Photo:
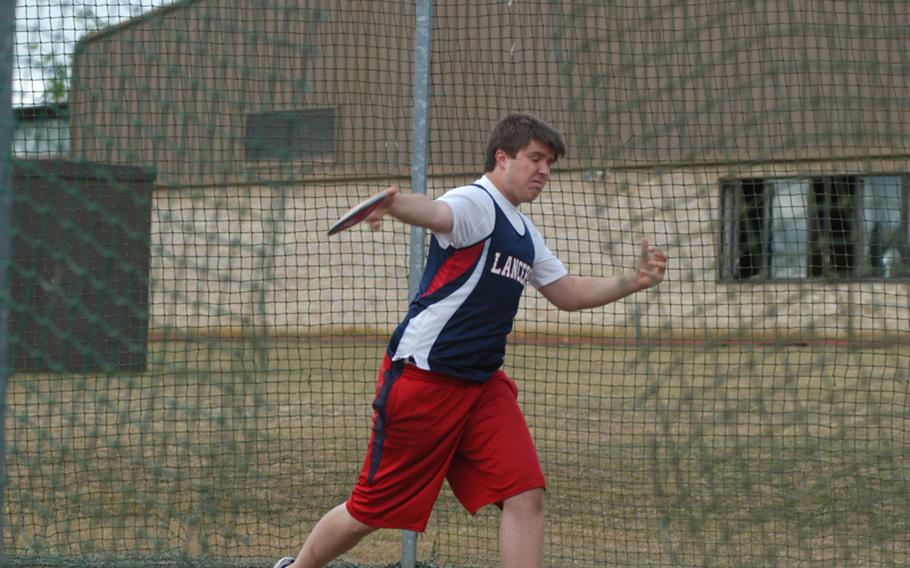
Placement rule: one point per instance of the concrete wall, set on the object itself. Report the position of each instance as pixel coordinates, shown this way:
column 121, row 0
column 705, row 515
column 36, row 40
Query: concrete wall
column 253, row 259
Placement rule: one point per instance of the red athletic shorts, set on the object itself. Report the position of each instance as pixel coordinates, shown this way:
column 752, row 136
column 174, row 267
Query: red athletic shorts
column 428, row 427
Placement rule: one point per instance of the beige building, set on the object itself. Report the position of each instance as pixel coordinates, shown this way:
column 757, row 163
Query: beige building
column 765, row 148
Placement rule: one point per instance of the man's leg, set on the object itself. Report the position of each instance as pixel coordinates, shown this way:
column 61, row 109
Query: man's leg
column 521, row 530
column 334, row 534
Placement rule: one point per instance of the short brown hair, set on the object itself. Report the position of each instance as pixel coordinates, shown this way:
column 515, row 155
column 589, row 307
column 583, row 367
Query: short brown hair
column 516, row 131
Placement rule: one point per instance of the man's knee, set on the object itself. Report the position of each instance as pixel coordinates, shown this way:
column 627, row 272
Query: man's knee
column 528, row 503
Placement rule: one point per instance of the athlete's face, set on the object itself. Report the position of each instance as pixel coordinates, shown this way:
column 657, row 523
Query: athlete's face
column 521, row 179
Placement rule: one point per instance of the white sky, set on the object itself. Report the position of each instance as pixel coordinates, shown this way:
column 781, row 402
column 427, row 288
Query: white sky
column 47, row 32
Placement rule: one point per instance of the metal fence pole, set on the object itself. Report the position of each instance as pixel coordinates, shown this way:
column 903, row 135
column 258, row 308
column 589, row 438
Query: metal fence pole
column 420, row 133
column 7, row 41
column 418, row 185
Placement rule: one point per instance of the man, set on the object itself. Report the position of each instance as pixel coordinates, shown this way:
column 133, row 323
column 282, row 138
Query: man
column 444, row 410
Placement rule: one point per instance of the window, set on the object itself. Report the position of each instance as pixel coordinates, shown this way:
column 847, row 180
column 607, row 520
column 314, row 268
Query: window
column 818, row 227
column 41, row 131
column 291, row 135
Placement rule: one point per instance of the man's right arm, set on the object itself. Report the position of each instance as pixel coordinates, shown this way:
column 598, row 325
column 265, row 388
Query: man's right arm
column 414, row 209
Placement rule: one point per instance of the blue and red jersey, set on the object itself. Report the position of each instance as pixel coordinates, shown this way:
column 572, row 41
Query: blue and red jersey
column 458, row 321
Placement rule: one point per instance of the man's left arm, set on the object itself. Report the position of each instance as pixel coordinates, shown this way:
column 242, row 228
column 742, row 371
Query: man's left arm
column 573, row 293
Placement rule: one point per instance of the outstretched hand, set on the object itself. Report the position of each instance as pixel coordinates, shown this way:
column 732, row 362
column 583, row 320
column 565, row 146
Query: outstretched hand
column 652, row 265
column 374, row 219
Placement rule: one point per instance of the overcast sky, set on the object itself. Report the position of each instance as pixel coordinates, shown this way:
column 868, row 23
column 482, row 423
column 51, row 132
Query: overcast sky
column 47, row 32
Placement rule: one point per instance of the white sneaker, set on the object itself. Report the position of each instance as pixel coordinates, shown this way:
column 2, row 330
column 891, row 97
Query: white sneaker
column 284, row 562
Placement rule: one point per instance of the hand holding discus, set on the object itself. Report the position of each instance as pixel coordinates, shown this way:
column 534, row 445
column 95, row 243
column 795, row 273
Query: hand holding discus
column 370, row 210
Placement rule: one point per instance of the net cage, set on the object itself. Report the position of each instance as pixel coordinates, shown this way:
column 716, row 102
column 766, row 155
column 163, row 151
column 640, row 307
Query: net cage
column 191, row 360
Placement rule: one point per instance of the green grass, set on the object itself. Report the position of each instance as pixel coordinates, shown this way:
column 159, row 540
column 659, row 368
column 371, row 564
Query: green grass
column 726, row 456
